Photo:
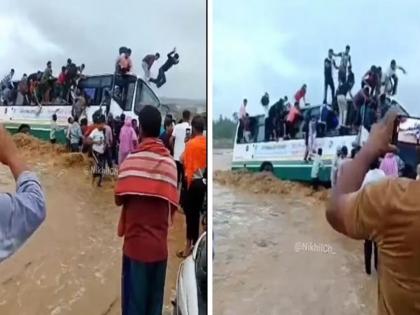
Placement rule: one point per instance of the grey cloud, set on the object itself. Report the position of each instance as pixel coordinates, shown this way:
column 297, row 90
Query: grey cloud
column 91, row 32
column 376, row 32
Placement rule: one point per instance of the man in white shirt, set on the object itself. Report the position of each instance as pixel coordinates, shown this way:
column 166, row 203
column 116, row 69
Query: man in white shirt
column 391, row 78
column 97, row 139
column 179, row 137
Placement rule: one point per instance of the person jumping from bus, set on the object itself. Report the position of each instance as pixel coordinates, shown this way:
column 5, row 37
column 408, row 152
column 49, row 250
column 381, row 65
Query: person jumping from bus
column 173, row 59
column 300, row 95
column 329, row 63
column 147, row 64
column 391, row 78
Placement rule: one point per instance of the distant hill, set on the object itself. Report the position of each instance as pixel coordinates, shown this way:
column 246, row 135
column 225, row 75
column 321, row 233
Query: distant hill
column 178, row 104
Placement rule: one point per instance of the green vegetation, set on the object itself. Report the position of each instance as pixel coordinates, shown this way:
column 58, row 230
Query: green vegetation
column 224, row 132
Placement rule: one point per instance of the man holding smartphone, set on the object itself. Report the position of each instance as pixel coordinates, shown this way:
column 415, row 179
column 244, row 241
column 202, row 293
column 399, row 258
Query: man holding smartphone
column 179, row 138
column 23, row 212
column 386, row 212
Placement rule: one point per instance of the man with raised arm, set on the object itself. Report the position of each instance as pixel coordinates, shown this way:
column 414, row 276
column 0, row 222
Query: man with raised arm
column 391, row 76
column 173, row 59
column 23, row 212
column 386, row 212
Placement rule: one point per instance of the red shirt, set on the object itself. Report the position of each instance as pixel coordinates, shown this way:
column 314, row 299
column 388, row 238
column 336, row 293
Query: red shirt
column 144, row 223
column 299, row 94
column 61, row 78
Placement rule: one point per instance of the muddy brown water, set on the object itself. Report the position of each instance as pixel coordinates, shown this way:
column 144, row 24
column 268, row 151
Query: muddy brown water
column 276, row 254
column 72, row 264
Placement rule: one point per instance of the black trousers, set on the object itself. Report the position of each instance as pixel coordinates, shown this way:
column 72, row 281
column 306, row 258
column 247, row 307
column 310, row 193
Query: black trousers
column 161, row 78
column 328, row 82
column 395, row 84
column 100, row 161
column 315, row 183
column 368, row 255
column 193, row 208
column 267, row 130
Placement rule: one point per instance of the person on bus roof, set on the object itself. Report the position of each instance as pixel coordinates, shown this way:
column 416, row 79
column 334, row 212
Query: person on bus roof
column 300, row 94
column 147, row 64
column 173, row 59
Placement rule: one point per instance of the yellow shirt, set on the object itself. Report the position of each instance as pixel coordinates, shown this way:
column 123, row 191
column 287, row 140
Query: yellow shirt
column 388, row 212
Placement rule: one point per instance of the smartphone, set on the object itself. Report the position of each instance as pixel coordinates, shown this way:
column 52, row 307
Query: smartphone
column 187, row 134
column 406, row 130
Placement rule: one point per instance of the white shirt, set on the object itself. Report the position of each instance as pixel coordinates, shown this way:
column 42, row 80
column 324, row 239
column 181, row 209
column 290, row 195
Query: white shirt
column 373, row 176
column 97, row 135
column 180, row 131
column 266, row 109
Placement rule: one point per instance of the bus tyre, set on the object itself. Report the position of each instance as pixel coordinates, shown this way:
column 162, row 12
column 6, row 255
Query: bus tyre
column 267, row 167
column 24, row 129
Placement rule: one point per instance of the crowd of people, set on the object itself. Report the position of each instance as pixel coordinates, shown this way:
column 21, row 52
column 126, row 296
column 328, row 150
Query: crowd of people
column 43, row 88
column 342, row 114
column 158, row 172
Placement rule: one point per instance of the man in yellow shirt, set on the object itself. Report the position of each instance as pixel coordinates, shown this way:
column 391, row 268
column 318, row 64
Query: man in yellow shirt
column 387, row 212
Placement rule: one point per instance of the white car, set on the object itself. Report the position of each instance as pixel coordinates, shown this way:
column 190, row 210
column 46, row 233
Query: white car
column 191, row 284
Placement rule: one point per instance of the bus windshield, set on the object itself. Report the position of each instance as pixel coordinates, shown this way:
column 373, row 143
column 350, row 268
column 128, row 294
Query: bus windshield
column 123, row 89
column 144, row 96
column 123, row 92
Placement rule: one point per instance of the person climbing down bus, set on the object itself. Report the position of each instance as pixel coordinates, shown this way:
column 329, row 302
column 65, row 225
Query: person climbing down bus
column 292, row 118
column 173, row 59
column 316, row 167
column 300, row 95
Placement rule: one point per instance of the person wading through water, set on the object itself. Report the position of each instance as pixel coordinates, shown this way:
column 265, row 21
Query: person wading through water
column 149, row 199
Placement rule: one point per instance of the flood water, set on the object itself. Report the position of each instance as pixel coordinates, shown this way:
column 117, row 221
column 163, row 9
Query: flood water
column 72, row 264
column 264, row 259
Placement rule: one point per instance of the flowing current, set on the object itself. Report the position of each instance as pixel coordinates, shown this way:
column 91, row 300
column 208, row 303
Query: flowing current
column 72, row 264
column 276, row 254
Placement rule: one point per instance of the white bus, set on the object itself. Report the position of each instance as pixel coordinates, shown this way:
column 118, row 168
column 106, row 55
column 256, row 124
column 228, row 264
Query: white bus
column 37, row 119
column 285, row 158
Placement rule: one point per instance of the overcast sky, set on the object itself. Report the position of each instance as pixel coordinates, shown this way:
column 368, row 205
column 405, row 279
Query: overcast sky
column 90, row 32
column 277, row 45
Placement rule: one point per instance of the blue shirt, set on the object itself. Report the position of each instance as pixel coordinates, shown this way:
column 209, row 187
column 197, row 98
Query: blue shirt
column 20, row 213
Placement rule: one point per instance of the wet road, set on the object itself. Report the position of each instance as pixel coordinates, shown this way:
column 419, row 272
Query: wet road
column 72, row 264
column 276, row 254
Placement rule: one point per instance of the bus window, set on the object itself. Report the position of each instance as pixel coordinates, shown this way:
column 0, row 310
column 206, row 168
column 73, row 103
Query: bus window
column 91, row 86
column 124, row 91
column 144, row 96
